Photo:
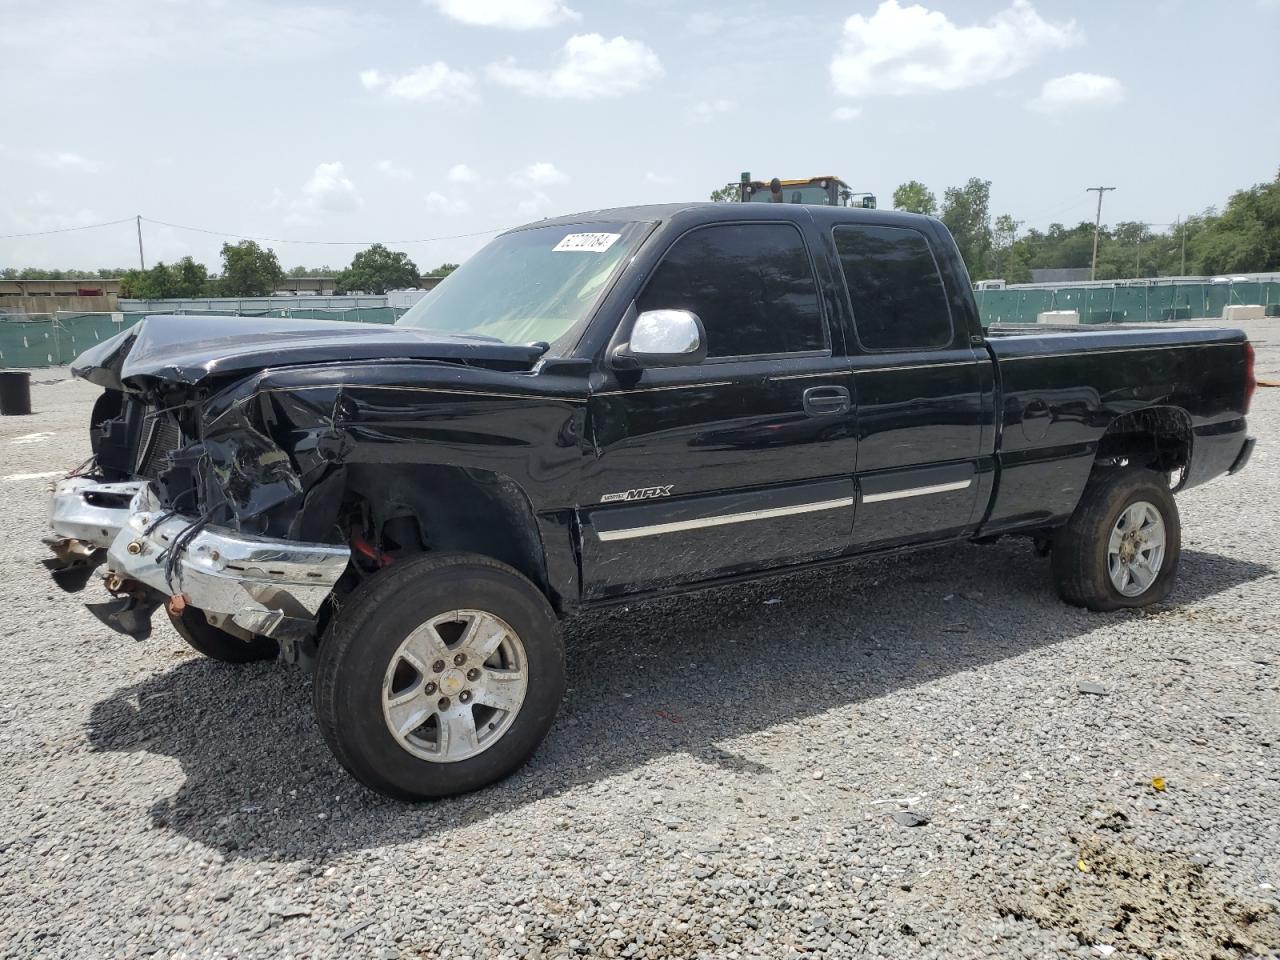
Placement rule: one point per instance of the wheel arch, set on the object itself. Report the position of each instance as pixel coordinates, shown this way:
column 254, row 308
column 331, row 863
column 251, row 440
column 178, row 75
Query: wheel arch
column 1157, row 437
column 408, row 509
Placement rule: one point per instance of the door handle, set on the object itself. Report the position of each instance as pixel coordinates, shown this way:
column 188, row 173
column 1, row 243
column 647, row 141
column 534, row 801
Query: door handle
column 826, row 401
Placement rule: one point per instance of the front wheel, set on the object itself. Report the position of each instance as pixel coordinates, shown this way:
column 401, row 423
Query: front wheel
column 204, row 637
column 440, row 675
column 1121, row 547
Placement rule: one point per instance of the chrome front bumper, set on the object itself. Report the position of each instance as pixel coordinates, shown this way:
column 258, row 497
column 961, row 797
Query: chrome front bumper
column 88, row 512
column 264, row 586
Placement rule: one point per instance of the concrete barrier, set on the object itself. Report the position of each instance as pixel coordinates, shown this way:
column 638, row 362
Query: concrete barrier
column 1058, row 316
column 1244, row 311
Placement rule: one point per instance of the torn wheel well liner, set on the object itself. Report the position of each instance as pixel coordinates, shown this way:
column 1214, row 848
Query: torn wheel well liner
column 1159, row 438
column 414, row 508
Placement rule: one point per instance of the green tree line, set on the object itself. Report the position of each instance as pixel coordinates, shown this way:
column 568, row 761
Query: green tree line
column 247, row 270
column 1243, row 238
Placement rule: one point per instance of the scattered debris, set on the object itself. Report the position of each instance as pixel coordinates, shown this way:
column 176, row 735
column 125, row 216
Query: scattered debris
column 1157, row 784
column 287, row 910
column 1093, row 689
column 909, row 818
column 350, row 932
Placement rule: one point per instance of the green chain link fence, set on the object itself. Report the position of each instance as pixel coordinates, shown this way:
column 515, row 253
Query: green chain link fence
column 53, row 340
column 1127, row 303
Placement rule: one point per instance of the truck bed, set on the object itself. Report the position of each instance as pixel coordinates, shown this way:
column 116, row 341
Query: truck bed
column 1059, row 390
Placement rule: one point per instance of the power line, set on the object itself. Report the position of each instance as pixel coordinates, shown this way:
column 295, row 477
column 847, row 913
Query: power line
column 1057, row 210
column 137, row 220
column 323, row 243
column 45, row 233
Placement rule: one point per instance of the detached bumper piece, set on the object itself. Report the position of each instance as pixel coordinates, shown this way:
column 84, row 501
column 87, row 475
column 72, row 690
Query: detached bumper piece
column 85, row 515
column 262, row 586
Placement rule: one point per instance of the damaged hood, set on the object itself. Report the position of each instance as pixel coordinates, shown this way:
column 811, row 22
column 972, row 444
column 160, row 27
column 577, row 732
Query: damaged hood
column 190, row 349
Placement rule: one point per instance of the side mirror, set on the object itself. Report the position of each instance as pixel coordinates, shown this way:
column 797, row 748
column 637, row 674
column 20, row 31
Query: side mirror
column 662, row 338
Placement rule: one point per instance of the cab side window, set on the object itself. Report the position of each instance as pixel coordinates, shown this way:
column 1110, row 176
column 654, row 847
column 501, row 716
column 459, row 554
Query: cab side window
column 751, row 284
column 895, row 290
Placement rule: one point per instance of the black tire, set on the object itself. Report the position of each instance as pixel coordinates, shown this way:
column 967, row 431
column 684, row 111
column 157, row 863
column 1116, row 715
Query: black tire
column 217, row 644
column 1080, row 548
column 366, row 634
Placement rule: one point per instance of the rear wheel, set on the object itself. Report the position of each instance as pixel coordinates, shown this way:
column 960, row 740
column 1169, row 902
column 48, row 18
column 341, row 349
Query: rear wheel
column 1121, row 547
column 440, row 675
column 204, row 637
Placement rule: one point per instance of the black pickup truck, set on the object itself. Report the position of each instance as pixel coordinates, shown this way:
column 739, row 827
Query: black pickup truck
column 604, row 406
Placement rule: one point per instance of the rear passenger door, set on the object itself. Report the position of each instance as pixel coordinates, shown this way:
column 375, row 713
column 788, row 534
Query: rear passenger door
column 744, row 460
column 924, row 391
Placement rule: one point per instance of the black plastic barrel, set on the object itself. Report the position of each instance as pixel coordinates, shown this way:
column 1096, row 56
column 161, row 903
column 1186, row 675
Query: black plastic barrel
column 15, row 393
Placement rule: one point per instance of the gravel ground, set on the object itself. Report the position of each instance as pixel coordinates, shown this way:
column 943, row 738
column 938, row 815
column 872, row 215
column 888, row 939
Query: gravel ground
column 892, row 759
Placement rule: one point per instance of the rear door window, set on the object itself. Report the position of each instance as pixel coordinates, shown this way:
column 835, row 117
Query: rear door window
column 751, row 284
column 895, row 289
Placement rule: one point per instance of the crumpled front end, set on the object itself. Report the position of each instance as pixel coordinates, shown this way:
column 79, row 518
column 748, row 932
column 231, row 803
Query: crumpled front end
column 264, row 586
column 262, row 497
column 208, row 517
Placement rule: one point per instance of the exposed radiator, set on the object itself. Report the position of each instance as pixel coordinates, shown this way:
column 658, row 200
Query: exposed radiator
column 161, row 437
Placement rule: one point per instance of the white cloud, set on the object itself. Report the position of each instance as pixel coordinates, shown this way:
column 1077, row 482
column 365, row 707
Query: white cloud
column 537, row 203
column 512, row 14
column 659, row 179
column 393, row 171
column 330, row 187
column 328, row 190
column 66, row 160
column 1078, row 90
column 588, row 67
column 539, row 175
column 438, row 203
column 461, row 173
column 431, row 81
column 704, row 111
column 844, row 114
column 912, row 50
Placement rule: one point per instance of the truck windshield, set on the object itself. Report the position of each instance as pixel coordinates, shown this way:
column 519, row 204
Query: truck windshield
column 528, row 285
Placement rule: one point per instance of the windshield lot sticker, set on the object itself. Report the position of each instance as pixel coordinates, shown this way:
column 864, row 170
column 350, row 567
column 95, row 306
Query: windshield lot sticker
column 587, row 242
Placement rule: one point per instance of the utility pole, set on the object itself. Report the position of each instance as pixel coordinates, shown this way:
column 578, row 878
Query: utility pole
column 142, row 263
column 1182, row 229
column 1097, row 225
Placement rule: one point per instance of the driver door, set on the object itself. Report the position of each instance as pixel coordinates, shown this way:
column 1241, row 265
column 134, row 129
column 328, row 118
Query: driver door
column 739, row 462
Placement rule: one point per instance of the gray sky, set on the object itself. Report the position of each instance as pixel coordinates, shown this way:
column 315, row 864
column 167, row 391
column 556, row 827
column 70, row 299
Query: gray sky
column 432, row 118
